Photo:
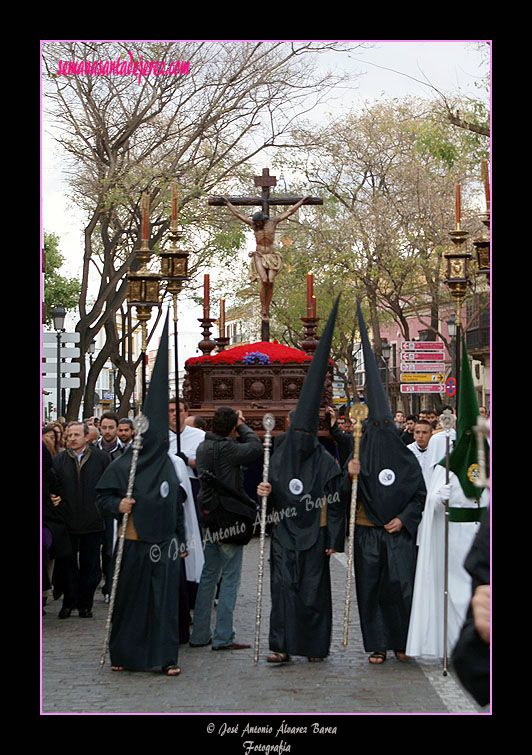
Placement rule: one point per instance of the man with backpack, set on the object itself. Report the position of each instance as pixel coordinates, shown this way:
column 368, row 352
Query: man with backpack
column 226, row 512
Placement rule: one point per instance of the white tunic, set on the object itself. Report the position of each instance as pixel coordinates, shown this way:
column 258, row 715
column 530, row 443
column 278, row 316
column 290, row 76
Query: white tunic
column 190, row 438
column 426, row 629
column 194, row 546
column 422, row 457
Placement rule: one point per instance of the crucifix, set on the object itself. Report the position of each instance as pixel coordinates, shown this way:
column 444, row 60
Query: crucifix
column 265, row 262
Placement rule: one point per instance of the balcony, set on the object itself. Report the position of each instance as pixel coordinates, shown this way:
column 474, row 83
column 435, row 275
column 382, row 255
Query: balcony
column 478, row 339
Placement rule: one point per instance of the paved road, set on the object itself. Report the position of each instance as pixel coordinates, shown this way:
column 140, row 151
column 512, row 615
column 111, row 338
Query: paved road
column 229, row 682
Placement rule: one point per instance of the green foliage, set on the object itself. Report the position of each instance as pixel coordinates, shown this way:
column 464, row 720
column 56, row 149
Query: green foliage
column 58, row 289
column 431, row 140
column 451, row 145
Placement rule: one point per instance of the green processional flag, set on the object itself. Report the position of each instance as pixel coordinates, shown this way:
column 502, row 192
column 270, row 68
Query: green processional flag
column 463, row 460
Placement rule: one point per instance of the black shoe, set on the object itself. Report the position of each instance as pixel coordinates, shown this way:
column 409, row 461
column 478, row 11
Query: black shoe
column 64, row 613
column 201, row 645
column 85, row 613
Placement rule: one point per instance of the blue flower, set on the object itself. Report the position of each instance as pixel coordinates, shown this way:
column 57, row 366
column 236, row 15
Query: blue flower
column 256, row 357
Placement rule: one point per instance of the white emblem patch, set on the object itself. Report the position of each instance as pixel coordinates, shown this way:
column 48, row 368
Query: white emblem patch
column 295, row 486
column 386, row 477
column 164, row 489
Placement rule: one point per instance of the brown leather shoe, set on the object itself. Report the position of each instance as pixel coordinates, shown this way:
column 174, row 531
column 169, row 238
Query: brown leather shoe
column 233, row 646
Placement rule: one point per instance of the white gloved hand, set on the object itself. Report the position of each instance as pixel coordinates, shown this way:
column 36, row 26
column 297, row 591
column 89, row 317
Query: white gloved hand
column 444, row 493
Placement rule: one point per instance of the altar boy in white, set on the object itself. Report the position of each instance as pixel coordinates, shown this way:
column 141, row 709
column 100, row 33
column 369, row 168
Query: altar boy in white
column 467, row 506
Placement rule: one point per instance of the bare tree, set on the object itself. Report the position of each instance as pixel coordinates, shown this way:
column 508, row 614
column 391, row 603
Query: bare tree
column 123, row 134
column 388, row 208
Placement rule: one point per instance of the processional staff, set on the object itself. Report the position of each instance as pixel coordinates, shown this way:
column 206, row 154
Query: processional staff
column 447, row 421
column 358, row 414
column 268, row 422
column 140, row 424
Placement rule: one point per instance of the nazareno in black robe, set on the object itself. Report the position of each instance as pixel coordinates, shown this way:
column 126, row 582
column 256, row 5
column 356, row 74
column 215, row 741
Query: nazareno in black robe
column 301, row 612
column 390, row 485
column 145, row 620
column 305, row 478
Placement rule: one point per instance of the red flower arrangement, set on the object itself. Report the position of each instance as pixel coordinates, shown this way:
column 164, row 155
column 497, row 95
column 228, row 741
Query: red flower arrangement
column 275, row 351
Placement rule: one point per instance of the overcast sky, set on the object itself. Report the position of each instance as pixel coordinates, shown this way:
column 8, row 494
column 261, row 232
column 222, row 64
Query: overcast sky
column 389, row 68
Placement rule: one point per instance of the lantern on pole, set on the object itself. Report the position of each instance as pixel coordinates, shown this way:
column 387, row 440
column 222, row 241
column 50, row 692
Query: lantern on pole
column 458, row 279
column 143, row 287
column 174, row 271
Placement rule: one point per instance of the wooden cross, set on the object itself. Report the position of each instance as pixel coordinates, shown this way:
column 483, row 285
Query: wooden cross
column 264, row 234
column 265, row 181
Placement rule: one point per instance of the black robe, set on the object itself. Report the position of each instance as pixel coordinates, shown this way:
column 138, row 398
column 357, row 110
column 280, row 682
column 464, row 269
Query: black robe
column 471, row 655
column 385, row 567
column 390, row 485
column 301, row 613
column 145, row 621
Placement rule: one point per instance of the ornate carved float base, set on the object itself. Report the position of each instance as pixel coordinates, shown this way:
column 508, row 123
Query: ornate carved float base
column 256, row 378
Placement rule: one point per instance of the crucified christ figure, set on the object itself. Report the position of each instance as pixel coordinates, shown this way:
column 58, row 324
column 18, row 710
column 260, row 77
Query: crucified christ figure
column 265, row 262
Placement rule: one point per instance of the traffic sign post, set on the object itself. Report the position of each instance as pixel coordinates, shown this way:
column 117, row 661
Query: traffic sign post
column 422, row 388
column 419, row 356
column 422, row 366
column 450, row 386
column 422, row 377
column 51, row 338
column 65, row 368
column 422, row 346
column 66, row 382
column 54, row 349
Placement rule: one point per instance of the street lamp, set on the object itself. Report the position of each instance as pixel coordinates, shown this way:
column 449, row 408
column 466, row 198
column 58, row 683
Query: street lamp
column 91, row 348
column 58, row 317
column 143, row 287
column 458, row 280
column 90, row 351
column 451, row 329
column 115, row 372
column 174, row 270
column 386, row 353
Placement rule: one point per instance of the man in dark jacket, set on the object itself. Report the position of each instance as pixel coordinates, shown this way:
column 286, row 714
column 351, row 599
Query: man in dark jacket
column 222, row 455
column 113, row 446
column 79, row 468
column 55, row 538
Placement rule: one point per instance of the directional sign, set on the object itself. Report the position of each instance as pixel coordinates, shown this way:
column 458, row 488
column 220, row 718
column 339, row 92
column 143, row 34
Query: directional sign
column 422, row 345
column 422, row 377
column 66, row 368
column 423, row 388
column 65, row 382
column 418, row 356
column 65, row 337
column 67, row 352
column 422, row 366
column 450, row 386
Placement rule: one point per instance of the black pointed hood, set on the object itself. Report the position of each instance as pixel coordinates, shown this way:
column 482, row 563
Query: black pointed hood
column 155, row 406
column 390, row 475
column 375, row 396
column 307, row 411
column 301, row 467
column 156, row 488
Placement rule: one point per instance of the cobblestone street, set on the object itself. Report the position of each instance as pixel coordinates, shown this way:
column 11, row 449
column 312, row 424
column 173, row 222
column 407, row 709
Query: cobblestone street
column 229, row 682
